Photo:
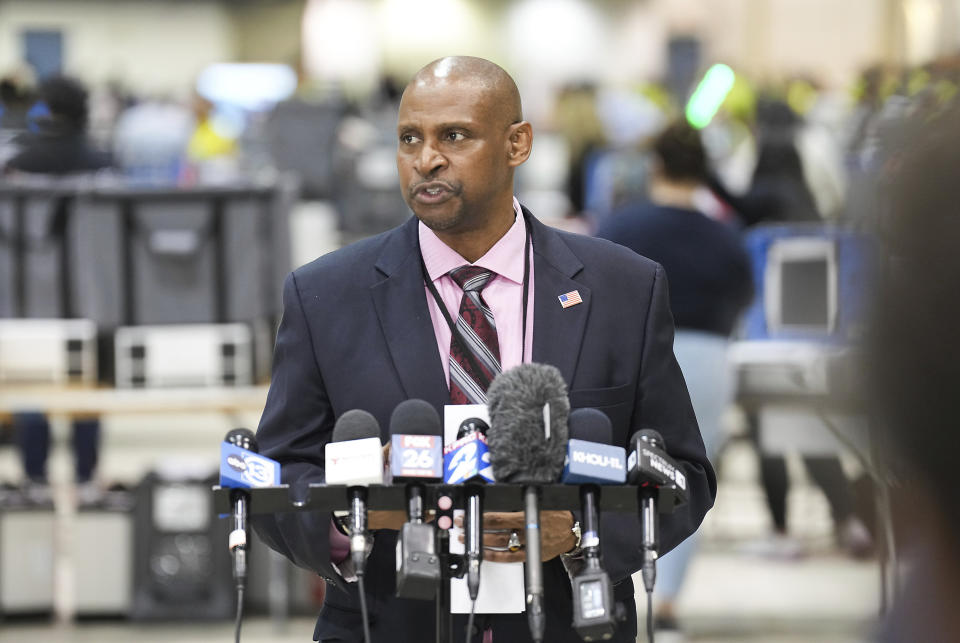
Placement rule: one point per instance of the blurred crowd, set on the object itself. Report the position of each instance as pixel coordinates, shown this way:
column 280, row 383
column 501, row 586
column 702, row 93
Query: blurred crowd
column 819, row 147
column 627, row 164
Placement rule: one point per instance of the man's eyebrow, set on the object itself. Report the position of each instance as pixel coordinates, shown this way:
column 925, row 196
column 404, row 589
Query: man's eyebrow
column 439, row 127
column 455, row 125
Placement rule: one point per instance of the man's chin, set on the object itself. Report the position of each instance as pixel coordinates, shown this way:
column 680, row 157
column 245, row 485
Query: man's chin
column 437, row 221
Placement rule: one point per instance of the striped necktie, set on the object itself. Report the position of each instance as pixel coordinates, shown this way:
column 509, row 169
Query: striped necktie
column 475, row 361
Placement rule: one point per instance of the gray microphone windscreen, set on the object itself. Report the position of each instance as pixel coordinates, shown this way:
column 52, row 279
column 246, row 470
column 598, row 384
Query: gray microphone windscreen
column 415, row 417
column 243, row 438
column 355, row 425
column 590, row 425
column 520, row 449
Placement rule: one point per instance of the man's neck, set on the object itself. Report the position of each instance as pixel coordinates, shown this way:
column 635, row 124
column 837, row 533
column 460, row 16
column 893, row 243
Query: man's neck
column 473, row 244
column 674, row 194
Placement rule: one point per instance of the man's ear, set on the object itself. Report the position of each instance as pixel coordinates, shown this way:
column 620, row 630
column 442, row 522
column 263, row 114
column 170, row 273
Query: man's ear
column 519, row 143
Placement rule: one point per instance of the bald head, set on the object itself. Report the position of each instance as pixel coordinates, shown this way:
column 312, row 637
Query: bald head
column 495, row 86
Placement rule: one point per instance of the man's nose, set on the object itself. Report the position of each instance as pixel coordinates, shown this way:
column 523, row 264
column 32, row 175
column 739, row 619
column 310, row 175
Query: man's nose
column 430, row 160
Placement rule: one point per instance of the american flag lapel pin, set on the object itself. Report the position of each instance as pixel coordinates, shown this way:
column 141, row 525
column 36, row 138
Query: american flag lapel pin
column 571, row 298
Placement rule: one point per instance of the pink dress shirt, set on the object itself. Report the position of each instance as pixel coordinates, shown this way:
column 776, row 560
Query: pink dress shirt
column 504, row 293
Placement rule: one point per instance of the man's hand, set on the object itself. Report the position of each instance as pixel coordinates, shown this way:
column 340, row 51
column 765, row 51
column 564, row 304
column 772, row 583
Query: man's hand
column 386, row 519
column 556, row 535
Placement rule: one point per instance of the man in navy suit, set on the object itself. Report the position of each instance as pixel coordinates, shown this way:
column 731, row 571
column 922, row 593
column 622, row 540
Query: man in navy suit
column 362, row 329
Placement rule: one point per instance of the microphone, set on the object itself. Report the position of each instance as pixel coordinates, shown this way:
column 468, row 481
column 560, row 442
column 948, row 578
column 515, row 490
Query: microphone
column 467, row 462
column 660, row 481
column 241, row 467
column 355, row 458
column 416, row 457
column 592, row 461
column 528, row 431
column 468, row 456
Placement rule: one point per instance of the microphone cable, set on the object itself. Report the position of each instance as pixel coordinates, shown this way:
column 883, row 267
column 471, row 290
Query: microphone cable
column 473, row 608
column 236, row 636
column 650, row 615
column 363, row 609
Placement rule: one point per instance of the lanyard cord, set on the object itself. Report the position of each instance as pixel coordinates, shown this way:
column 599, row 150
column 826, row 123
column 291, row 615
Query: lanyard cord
column 455, row 333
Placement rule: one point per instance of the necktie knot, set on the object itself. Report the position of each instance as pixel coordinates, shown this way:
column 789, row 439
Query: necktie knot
column 471, row 278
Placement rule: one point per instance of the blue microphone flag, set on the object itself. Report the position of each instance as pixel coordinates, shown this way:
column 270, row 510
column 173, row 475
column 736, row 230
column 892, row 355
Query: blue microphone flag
column 416, row 456
column 245, row 469
column 467, row 458
column 594, row 463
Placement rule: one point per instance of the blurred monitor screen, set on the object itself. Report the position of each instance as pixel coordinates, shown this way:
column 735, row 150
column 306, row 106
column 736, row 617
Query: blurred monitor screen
column 800, row 285
column 806, row 283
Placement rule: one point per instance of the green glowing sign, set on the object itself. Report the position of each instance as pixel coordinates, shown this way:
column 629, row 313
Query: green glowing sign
column 709, row 95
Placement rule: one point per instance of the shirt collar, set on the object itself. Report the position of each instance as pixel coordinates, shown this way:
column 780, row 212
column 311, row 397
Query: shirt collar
column 505, row 257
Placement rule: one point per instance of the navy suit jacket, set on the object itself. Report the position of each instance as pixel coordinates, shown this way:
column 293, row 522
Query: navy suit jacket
column 356, row 334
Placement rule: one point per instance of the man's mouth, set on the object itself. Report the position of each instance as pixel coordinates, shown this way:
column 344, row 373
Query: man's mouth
column 433, row 192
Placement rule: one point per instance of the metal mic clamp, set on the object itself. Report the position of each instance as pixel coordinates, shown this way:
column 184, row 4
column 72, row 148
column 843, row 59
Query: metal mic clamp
column 418, row 571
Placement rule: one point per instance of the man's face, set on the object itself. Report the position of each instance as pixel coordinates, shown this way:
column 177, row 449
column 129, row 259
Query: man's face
column 452, row 155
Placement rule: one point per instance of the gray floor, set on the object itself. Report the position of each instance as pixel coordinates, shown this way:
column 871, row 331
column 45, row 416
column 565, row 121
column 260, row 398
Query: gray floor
column 732, row 592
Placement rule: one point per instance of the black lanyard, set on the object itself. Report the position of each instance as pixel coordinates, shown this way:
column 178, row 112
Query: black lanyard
column 455, row 333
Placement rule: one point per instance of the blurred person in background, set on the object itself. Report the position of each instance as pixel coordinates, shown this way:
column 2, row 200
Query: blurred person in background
column 779, row 194
column 914, row 371
column 301, row 135
column 616, row 172
column 107, row 102
column 150, row 140
column 823, row 115
column 60, row 144
column 364, row 165
column 59, row 147
column 710, row 286
column 577, row 119
column 210, row 140
column 15, row 101
column 213, row 152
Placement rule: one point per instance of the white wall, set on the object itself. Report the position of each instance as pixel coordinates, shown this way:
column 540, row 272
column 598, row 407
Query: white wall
column 152, row 46
column 769, row 39
column 269, row 33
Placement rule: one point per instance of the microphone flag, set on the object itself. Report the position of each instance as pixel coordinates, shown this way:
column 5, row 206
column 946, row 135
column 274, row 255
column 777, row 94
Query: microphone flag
column 246, row 469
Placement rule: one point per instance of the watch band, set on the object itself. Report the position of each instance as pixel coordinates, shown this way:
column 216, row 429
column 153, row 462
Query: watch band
column 578, row 534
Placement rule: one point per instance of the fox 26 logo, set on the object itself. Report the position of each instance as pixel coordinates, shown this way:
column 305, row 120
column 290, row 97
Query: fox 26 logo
column 414, row 458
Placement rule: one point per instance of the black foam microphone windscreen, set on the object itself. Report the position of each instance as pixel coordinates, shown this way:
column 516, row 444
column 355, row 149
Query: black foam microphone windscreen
column 527, row 444
column 355, row 424
column 590, row 425
column 650, row 436
column 243, row 438
column 415, row 417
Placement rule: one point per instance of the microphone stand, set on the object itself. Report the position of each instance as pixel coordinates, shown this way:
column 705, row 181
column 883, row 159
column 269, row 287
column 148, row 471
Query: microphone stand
column 534, row 578
column 444, row 620
column 451, row 566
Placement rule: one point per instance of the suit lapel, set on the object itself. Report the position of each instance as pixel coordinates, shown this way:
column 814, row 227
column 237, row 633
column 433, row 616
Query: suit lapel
column 557, row 331
column 401, row 306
